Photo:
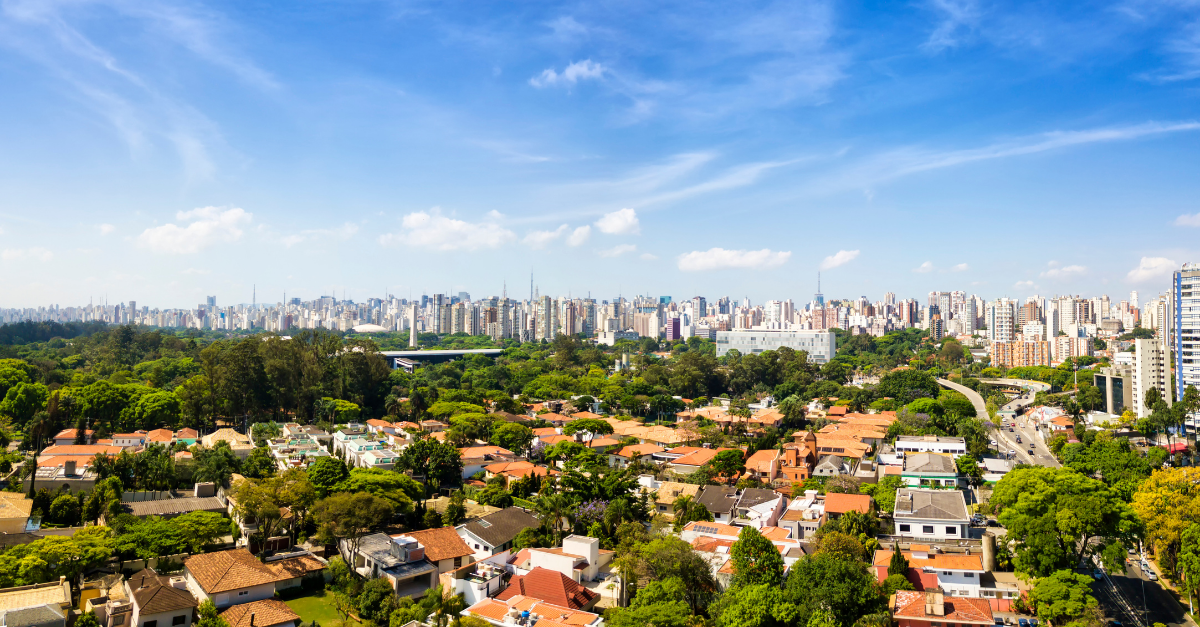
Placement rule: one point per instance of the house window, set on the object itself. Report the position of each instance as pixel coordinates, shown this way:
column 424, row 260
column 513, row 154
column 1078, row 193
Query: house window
column 927, row 529
column 179, row 620
column 969, row 575
column 458, row 561
column 905, row 527
column 952, row 530
column 150, row 623
column 243, row 593
column 945, row 572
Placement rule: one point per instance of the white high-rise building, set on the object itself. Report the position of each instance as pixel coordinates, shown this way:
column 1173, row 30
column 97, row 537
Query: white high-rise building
column 1185, row 324
column 1149, row 371
column 1001, row 316
column 967, row 320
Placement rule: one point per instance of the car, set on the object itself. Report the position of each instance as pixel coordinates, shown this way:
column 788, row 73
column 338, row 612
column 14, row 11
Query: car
column 1011, row 430
column 1151, row 575
column 1023, row 622
column 1133, row 551
column 993, row 523
column 1098, row 574
column 1145, row 565
column 1011, row 452
column 992, row 443
column 1033, row 622
column 1018, row 439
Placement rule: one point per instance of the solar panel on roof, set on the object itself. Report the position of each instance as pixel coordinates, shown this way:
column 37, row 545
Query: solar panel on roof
column 707, row 529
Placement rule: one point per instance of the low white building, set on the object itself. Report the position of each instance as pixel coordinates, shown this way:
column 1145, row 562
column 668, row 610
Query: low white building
column 931, row 515
column 931, row 444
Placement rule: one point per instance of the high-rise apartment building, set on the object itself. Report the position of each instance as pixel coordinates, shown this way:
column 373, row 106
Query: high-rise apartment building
column 1149, row 371
column 1001, row 320
column 1185, row 312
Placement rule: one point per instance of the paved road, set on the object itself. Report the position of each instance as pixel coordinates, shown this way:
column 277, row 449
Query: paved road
column 1132, row 595
column 975, row 398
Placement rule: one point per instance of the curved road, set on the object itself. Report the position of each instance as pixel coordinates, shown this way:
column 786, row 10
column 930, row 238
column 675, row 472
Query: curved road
column 1042, row 454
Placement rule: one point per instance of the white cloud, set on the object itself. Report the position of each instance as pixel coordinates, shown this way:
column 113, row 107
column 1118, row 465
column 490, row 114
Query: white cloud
column 620, row 222
column 208, row 226
column 618, row 250
column 925, row 267
column 1064, row 272
column 842, row 258
column 35, row 253
column 1188, row 220
column 1023, row 284
column 431, row 229
column 577, row 71
column 649, row 256
column 719, row 259
column 1152, row 268
column 197, row 271
column 542, row 239
column 105, row 229
column 579, row 236
column 342, row 233
column 962, row 267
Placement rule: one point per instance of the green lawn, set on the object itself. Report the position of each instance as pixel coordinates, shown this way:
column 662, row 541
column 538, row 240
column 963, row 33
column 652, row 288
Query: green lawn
column 318, row 607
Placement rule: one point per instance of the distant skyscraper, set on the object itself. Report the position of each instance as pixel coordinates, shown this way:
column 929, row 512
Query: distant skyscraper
column 212, row 303
column 1185, row 299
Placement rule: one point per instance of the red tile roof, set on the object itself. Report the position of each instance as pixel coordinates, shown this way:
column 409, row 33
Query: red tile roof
column 837, row 503
column 911, row 604
column 549, row 586
column 442, row 543
column 229, row 570
column 264, row 613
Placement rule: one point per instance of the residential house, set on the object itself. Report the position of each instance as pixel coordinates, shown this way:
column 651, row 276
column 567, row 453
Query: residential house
column 229, row 577
column 805, row 515
column 929, row 469
column 636, row 452
column 163, row 437
column 69, row 466
column 264, row 613
column 37, row 605
column 444, row 548
column 323, row 437
column 764, row 465
column 759, row 508
column 931, row 608
column 720, row 501
column 170, row 508
column 297, row 450
column 955, row 574
column 478, row 580
column 495, row 532
column 401, row 560
column 238, row 443
column 551, row 587
column 831, row 466
column 377, row 426
column 512, row 471
column 931, row 444
column 513, row 610
column 931, row 514
column 39, row 616
column 15, row 508
column 994, row 469
column 476, row 458
column 159, row 601
column 580, row 558
column 135, row 440
column 666, row 492
column 187, row 435
column 693, row 459
column 67, row 436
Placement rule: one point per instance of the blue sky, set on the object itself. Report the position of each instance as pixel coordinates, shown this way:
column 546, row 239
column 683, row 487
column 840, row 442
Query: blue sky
column 162, row 151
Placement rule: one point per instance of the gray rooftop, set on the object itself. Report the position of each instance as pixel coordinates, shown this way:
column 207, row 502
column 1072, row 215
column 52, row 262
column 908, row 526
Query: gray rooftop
column 947, row 505
column 756, row 496
column 503, row 526
column 931, row 463
column 718, row 499
column 39, row 616
column 171, row 507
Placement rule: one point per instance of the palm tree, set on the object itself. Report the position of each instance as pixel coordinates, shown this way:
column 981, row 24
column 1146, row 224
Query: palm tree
column 552, row 508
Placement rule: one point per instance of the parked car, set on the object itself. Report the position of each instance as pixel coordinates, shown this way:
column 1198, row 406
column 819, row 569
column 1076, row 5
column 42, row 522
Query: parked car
column 1098, row 574
column 1151, row 575
column 1022, row 622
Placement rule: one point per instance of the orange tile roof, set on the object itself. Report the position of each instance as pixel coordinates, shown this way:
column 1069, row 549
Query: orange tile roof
column 470, row 452
column 223, row 571
column 442, row 543
column 943, row 561
column 70, row 433
column 550, row 586
column 81, row 449
column 586, row 414
column 545, row 431
column 638, row 450
column 294, row 567
column 763, row 461
column 599, row 442
column 911, row 604
column 160, row 435
column 837, row 503
column 264, row 613
column 553, row 417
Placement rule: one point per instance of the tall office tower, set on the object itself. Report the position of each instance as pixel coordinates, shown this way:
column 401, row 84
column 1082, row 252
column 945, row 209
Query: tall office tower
column 818, row 298
column 1185, row 302
column 445, row 317
column 789, row 311
column 1133, row 299
column 570, row 321
column 724, row 308
column 889, row 298
column 1001, row 319
column 437, row 302
column 212, row 303
column 412, row 325
column 969, row 317
column 545, row 319
column 589, row 317
column 1149, row 371
column 458, row 317
column 909, row 313
column 698, row 307
column 503, row 318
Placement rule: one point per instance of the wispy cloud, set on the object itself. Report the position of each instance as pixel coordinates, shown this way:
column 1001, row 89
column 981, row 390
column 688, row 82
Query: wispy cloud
column 1056, row 270
column 206, row 227
column 956, row 18
column 1188, row 219
column 1152, row 269
column 35, row 253
column 722, row 259
column 104, row 229
column 618, row 250
column 311, row 236
column 542, row 239
column 924, row 268
column 841, row 258
column 962, row 267
column 573, row 73
column 434, row 231
column 619, row 222
column 579, row 236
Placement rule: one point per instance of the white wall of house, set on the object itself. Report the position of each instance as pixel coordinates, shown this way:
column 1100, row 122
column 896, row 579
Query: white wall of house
column 917, row 528
column 232, row 597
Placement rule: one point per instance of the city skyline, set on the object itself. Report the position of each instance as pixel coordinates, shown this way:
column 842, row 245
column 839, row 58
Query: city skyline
column 168, row 151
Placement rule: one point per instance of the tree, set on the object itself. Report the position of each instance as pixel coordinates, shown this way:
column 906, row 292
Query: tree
column 346, row 516
column 208, row 615
column 434, row 462
column 87, row 619
column 272, row 502
column 1062, row 597
column 1168, row 502
column 398, row 488
column 844, row 587
column 727, row 464
column 325, row 473
column 513, row 437
column 259, row 463
column 755, row 560
column 898, row 564
column 759, row 605
column 1189, row 560
column 908, row 385
column 1060, row 517
column 589, row 425
column 65, row 511
column 969, row 468
column 216, row 464
column 200, row 529
column 687, row 509
column 23, row 400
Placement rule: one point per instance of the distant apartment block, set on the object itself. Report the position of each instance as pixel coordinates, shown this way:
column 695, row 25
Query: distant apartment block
column 820, row 345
